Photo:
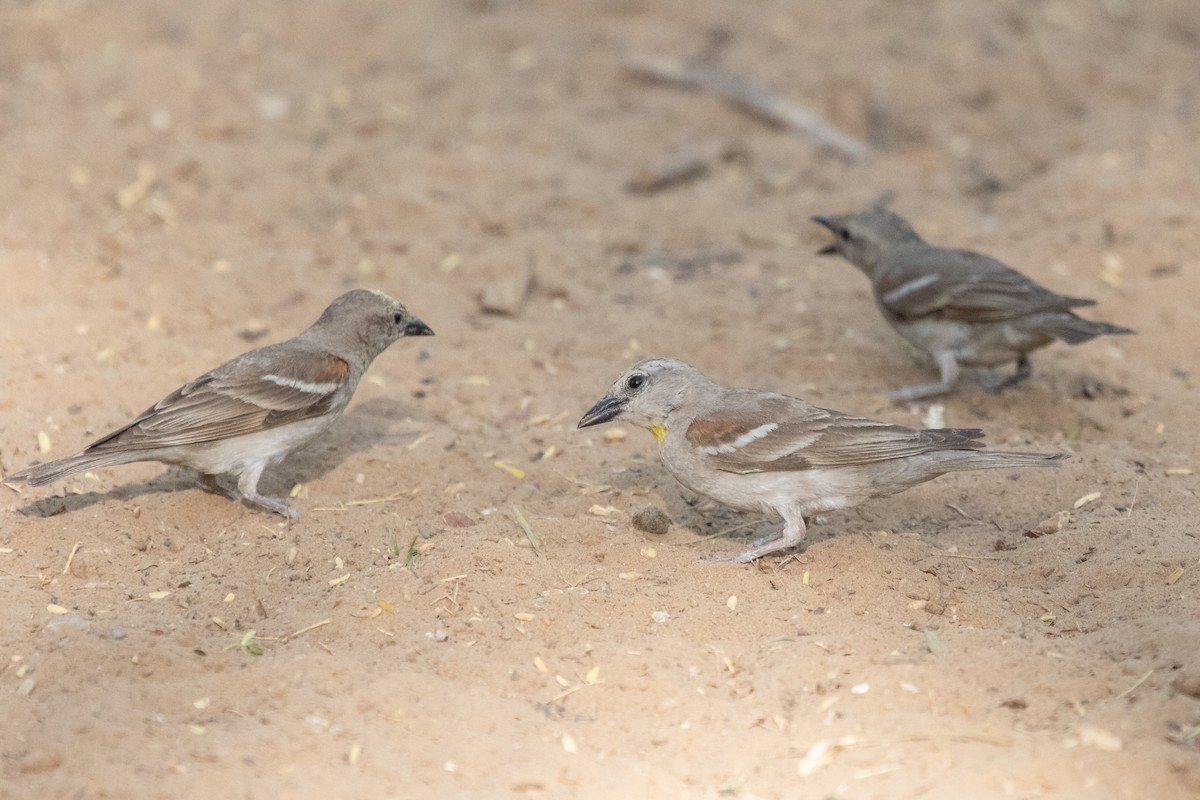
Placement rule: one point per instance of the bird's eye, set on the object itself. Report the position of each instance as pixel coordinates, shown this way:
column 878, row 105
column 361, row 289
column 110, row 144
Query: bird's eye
column 398, row 318
column 844, row 234
column 636, row 382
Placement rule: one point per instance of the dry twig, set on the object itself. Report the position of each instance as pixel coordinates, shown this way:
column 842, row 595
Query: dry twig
column 1136, row 684
column 533, row 541
column 306, row 629
column 743, row 92
column 70, row 558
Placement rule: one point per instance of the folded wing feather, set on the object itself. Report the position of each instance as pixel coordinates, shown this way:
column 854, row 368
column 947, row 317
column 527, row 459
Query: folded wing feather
column 963, row 285
column 777, row 433
column 238, row 398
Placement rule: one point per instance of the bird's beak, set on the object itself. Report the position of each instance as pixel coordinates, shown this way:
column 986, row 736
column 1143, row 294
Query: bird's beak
column 417, row 328
column 829, row 249
column 606, row 408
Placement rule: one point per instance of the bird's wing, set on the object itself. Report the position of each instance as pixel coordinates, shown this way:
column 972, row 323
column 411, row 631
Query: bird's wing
column 962, row 285
column 252, row 393
column 782, row 434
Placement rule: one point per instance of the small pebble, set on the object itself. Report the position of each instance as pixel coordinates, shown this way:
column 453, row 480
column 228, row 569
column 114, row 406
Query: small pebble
column 1188, row 682
column 652, row 519
column 505, row 297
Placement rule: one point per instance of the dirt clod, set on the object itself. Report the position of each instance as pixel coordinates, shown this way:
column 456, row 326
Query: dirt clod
column 652, row 519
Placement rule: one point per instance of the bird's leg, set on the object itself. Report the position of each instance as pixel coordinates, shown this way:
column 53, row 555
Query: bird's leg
column 791, row 535
column 209, row 483
column 947, row 365
column 248, row 486
column 1024, row 370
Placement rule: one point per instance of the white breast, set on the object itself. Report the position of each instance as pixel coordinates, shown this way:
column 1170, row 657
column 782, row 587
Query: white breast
column 265, row 447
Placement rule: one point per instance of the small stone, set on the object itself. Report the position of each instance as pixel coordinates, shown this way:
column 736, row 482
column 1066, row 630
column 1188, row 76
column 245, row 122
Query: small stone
column 652, row 519
column 1049, row 526
column 457, row 519
column 1100, row 739
column 935, row 416
column 274, row 106
column 1187, row 682
column 254, row 330
column 505, row 297
column 114, row 632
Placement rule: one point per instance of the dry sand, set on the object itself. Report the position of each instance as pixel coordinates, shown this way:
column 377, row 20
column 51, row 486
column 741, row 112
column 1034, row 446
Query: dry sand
column 180, row 178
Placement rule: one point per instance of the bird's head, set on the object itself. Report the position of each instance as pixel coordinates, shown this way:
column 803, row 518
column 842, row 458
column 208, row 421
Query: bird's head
column 371, row 318
column 647, row 394
column 866, row 237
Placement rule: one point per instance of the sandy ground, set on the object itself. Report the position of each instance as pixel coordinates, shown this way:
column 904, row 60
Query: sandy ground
column 181, row 179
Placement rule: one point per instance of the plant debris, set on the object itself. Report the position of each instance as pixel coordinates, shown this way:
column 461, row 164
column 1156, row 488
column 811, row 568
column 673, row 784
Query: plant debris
column 516, row 472
column 675, row 172
column 533, row 541
column 306, row 629
column 748, row 95
column 249, row 646
column 682, row 266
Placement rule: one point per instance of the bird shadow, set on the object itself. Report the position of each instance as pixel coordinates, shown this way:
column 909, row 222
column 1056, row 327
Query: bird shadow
column 683, row 507
column 366, row 426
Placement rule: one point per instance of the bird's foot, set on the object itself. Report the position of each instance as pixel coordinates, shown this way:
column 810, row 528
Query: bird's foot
column 911, row 394
column 948, row 369
column 758, row 548
column 272, row 504
column 1024, row 370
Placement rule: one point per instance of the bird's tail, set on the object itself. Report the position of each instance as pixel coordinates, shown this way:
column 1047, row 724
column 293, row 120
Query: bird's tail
column 52, row 471
column 1076, row 330
column 992, row 459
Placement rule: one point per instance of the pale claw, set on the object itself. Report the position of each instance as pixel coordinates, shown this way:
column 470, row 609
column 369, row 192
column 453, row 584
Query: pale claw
column 271, row 504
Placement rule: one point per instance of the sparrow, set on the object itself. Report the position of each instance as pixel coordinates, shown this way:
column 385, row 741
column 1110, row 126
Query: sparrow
column 964, row 309
column 253, row 410
column 760, row 451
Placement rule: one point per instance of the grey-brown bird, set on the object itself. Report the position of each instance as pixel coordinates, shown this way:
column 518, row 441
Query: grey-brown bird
column 761, row 451
column 964, row 309
column 253, row 410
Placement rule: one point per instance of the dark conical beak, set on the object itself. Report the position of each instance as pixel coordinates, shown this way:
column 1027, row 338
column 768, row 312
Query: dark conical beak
column 828, row 222
column 606, row 408
column 417, row 328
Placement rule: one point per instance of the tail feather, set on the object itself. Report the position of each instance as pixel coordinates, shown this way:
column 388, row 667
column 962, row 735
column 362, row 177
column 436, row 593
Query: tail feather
column 52, row 471
column 1077, row 302
column 996, row 459
column 1076, row 330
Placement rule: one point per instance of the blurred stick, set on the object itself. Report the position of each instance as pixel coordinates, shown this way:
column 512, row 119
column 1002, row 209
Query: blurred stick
column 749, row 96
